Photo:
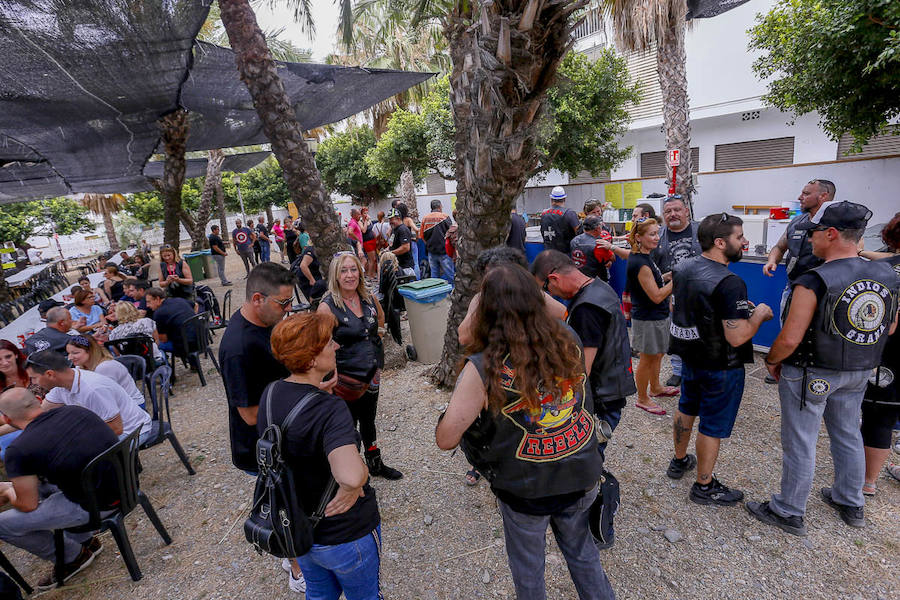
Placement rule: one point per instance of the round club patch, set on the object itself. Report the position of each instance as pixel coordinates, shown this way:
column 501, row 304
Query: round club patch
column 859, row 315
column 882, row 377
column 819, row 387
column 241, row 237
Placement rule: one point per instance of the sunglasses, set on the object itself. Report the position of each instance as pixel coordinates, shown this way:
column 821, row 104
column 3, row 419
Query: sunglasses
column 282, row 303
column 546, row 286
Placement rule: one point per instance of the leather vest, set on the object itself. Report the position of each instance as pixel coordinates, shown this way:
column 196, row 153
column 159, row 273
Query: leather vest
column 556, row 232
column 883, row 387
column 697, row 335
column 361, row 352
column 661, row 254
column 582, row 251
column 848, row 331
column 800, row 257
column 612, row 377
column 548, row 453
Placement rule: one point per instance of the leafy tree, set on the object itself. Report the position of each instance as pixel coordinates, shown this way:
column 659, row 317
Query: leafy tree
column 342, row 161
column 838, row 57
column 437, row 117
column 261, row 187
column 21, row 220
column 403, row 145
column 145, row 207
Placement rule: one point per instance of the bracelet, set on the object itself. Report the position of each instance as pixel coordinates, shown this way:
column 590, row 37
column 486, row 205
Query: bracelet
column 771, row 364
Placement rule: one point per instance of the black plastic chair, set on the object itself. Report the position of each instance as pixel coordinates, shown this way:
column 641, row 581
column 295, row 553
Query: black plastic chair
column 195, row 338
column 136, row 345
column 121, row 462
column 224, row 312
column 161, row 425
column 137, row 368
column 10, row 570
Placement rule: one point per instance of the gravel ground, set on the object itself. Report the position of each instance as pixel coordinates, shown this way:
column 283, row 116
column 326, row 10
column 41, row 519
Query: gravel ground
column 445, row 540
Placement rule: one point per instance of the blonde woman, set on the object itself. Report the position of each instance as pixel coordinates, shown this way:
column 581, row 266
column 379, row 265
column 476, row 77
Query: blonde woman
column 175, row 274
column 649, row 314
column 131, row 323
column 360, row 356
column 85, row 353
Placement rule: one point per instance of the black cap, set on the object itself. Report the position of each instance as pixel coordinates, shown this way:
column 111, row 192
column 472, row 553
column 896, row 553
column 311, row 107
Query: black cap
column 840, row 215
column 47, row 304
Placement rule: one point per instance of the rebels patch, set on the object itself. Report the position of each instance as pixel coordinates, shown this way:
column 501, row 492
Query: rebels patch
column 819, row 387
column 859, row 315
column 561, row 427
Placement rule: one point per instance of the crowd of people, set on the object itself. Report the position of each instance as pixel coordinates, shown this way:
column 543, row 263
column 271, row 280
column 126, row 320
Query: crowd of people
column 547, row 369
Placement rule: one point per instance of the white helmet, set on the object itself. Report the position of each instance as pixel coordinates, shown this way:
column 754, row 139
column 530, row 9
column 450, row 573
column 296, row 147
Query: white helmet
column 557, row 194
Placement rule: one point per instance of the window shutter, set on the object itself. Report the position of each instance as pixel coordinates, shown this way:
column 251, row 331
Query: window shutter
column 880, row 145
column 585, row 177
column 757, row 153
column 653, row 164
column 642, row 68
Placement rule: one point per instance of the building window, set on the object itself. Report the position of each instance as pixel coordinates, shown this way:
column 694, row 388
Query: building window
column 880, row 145
column 757, row 153
column 653, row 164
column 586, row 177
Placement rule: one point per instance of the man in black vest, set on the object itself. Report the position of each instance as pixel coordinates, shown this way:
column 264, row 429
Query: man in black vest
column 590, row 258
column 839, row 317
column 712, row 327
column 595, row 315
column 558, row 223
column 677, row 242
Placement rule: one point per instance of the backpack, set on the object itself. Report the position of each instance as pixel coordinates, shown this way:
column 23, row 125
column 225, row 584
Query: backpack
column 208, row 302
column 277, row 523
column 603, row 511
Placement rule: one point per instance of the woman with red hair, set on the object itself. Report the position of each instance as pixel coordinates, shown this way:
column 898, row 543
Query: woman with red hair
column 12, row 374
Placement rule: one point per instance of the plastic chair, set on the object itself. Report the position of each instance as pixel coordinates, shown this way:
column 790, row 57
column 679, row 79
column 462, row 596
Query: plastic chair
column 137, row 368
column 10, row 570
column 161, row 425
column 195, row 338
column 225, row 312
column 120, row 461
column 136, row 345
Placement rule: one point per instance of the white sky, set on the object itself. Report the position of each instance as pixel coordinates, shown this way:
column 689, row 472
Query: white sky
column 325, row 16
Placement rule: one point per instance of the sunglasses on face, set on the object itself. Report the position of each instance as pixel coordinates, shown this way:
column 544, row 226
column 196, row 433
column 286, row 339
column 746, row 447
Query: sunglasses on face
column 546, row 286
column 282, row 303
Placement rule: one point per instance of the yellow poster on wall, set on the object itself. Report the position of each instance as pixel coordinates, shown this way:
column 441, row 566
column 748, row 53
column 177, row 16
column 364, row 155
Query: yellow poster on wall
column 633, row 191
column 292, row 210
column 613, row 194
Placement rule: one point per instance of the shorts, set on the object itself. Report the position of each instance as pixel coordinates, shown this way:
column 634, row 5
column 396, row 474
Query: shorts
column 650, row 337
column 877, row 423
column 369, row 245
column 714, row 396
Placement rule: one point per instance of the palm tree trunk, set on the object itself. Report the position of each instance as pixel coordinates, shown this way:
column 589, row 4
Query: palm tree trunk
column 672, row 70
column 174, row 135
column 258, row 72
column 269, row 214
column 110, row 231
column 408, row 191
column 197, row 228
column 501, row 73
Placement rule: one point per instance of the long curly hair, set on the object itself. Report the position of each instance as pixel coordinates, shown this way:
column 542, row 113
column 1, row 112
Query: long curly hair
column 639, row 229
column 512, row 322
column 20, row 364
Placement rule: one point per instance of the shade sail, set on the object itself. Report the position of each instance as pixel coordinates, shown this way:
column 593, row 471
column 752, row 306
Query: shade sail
column 196, row 167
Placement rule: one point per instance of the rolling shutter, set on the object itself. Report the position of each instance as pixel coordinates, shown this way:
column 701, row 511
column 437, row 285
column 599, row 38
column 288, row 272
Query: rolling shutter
column 653, row 164
column 880, row 145
column 642, row 68
column 757, row 153
column 585, row 177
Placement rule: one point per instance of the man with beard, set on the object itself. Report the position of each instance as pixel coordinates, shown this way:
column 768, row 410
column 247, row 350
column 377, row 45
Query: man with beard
column 712, row 327
column 677, row 242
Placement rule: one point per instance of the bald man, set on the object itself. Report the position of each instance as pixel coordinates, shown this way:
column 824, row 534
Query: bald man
column 55, row 445
column 55, row 335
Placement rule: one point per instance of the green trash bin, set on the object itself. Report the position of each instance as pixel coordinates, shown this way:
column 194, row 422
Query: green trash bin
column 196, row 263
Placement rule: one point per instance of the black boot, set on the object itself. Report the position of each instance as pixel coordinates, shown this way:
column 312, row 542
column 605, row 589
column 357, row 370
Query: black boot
column 378, row 468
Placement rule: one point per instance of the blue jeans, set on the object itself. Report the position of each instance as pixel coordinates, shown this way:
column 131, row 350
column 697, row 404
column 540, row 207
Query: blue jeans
column 351, row 568
column 441, row 266
column 612, row 417
column 526, row 540
column 676, row 363
column 414, row 249
column 264, row 249
column 33, row 531
column 166, row 346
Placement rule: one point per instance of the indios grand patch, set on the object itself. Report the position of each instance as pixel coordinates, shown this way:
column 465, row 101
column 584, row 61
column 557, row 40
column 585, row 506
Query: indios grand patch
column 859, row 315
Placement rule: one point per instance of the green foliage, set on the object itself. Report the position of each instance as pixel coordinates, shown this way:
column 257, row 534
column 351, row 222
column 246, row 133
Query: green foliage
column 21, row 220
column 261, row 186
column 144, row 207
column 838, row 57
column 342, row 162
column 585, row 115
column 437, row 115
column 403, row 145
column 128, row 229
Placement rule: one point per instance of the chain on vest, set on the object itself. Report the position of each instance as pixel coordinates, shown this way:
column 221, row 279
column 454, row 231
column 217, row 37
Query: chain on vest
column 556, row 232
column 697, row 335
column 882, row 387
column 611, row 376
column 848, row 331
column 534, row 455
column 800, row 257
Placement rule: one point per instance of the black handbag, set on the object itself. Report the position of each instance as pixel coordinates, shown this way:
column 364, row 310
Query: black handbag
column 277, row 524
column 603, row 511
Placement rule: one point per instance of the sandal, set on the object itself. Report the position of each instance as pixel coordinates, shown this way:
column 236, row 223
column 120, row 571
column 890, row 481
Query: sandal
column 653, row 410
column 894, row 471
column 472, row 477
column 868, row 489
column 667, row 392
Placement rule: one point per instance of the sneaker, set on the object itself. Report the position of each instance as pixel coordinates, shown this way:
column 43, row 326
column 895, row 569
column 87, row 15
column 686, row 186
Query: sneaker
column 854, row 516
column 770, row 379
column 84, row 558
column 674, row 381
column 761, row 510
column 296, row 585
column 715, row 493
column 679, row 466
column 227, row 283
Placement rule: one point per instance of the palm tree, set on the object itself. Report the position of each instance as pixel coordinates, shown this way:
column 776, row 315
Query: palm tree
column 105, row 205
column 638, row 27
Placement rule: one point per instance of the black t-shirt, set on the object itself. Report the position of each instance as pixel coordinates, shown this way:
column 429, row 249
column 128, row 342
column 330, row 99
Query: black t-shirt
column 681, row 246
column 314, row 268
column 324, row 425
column 262, row 230
column 643, row 309
column 290, row 236
column 729, row 301
column 245, row 357
column 216, row 242
column 57, row 446
column 516, row 237
column 369, row 233
column 170, row 318
column 402, row 235
column 812, row 282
